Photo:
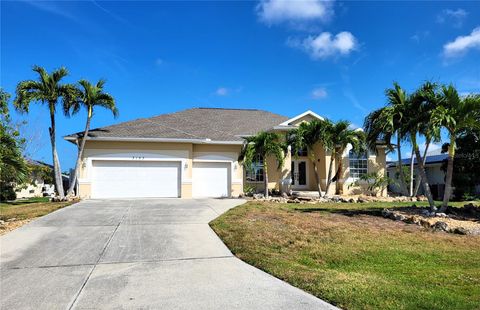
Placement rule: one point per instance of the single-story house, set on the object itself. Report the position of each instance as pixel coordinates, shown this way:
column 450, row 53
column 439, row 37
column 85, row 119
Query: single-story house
column 37, row 186
column 433, row 169
column 194, row 153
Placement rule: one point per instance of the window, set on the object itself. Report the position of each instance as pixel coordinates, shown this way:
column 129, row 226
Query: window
column 358, row 164
column 254, row 173
column 302, row 152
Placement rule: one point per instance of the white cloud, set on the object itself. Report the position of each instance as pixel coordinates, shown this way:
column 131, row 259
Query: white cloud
column 420, row 35
column 462, row 44
column 277, row 11
column 222, row 91
column 319, row 93
column 455, row 17
column 326, row 45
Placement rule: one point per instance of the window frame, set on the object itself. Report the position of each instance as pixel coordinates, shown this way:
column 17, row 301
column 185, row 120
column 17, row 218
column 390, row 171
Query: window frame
column 358, row 165
column 257, row 169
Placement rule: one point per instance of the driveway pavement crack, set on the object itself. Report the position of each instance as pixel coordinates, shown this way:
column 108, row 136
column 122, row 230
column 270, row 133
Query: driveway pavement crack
column 98, row 260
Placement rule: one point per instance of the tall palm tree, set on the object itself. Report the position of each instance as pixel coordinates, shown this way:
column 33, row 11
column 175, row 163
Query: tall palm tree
column 48, row 90
column 388, row 122
column 340, row 136
column 458, row 115
column 307, row 136
column 90, row 96
column 418, row 122
column 264, row 144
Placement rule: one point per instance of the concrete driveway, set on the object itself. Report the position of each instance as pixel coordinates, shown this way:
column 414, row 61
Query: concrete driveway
column 131, row 254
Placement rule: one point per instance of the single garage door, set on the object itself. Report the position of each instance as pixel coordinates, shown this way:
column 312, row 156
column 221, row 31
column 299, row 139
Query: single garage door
column 132, row 179
column 211, row 179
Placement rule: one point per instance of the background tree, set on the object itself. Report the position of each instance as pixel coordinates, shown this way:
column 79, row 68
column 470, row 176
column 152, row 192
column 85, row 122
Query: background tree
column 264, row 145
column 90, row 96
column 339, row 136
column 465, row 176
column 307, row 136
column 13, row 167
column 458, row 115
column 48, row 90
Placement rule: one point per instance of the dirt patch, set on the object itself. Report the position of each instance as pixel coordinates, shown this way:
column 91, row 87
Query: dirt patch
column 11, row 225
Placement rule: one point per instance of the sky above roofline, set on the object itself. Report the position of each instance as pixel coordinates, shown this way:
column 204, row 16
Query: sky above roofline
column 335, row 58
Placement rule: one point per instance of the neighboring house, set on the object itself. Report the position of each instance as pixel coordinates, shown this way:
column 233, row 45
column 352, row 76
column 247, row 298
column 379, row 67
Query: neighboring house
column 194, row 153
column 435, row 175
column 37, row 187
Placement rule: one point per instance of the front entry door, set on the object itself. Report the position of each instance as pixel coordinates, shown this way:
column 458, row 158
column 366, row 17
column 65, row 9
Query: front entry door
column 299, row 174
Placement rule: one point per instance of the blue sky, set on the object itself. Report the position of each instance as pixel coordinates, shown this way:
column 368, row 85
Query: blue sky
column 335, row 58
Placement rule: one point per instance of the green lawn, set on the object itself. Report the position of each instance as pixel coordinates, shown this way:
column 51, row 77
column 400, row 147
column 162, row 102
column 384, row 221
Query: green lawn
column 350, row 256
column 29, row 208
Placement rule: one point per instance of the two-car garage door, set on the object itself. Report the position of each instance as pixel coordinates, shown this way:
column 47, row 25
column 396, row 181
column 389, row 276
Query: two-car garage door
column 136, row 179
column 130, row 179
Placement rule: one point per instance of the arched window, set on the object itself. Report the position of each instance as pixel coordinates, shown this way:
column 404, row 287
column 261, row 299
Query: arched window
column 254, row 173
column 358, row 164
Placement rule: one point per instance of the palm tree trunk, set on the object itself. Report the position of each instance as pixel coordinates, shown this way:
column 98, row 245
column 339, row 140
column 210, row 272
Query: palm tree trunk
column 317, row 179
column 411, row 172
column 419, row 182
column 56, row 164
column 80, row 154
column 338, row 189
column 400, row 167
column 329, row 178
column 265, row 175
column 421, row 169
column 448, row 180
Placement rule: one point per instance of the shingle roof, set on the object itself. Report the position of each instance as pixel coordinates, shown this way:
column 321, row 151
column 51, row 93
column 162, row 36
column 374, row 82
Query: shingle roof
column 215, row 124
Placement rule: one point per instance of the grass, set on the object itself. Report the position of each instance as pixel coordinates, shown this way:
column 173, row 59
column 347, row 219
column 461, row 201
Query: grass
column 29, row 208
column 350, row 256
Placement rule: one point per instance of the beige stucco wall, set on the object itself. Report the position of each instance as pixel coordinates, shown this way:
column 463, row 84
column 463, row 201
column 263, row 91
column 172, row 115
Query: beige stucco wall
column 376, row 163
column 187, row 153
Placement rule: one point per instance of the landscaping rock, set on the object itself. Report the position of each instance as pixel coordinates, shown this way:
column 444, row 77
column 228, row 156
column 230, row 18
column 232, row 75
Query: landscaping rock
column 440, row 226
column 441, row 215
column 285, row 195
column 460, row 231
column 258, row 196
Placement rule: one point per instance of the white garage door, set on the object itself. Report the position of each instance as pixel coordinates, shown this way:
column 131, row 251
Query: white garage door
column 211, row 179
column 131, row 179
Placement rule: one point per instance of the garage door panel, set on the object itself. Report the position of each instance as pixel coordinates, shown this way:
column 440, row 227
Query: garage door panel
column 211, row 179
column 130, row 179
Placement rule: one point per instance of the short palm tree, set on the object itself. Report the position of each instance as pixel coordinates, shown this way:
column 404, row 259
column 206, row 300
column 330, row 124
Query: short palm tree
column 458, row 115
column 48, row 90
column 264, row 145
column 339, row 135
column 89, row 97
column 385, row 123
column 307, row 136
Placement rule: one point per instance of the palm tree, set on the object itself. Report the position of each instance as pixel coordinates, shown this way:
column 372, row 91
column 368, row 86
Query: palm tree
column 307, row 136
column 385, row 123
column 264, row 145
column 418, row 121
column 90, row 96
column 458, row 115
column 47, row 90
column 339, row 137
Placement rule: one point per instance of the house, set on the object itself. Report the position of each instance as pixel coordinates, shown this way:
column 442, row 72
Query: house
column 194, row 153
column 433, row 169
column 40, row 183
